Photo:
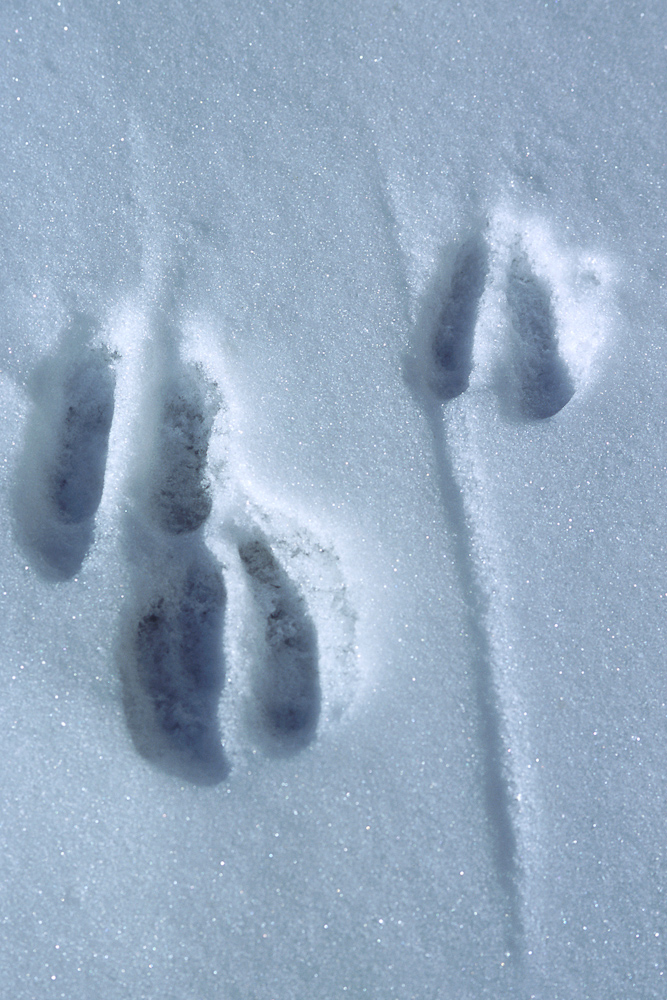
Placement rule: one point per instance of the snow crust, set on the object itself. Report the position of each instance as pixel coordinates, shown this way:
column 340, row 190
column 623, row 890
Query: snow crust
column 333, row 572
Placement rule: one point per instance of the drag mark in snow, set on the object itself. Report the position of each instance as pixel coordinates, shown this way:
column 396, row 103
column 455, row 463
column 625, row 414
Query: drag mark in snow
column 543, row 382
column 62, row 475
column 498, row 780
column 502, row 328
column 286, row 684
column 440, row 373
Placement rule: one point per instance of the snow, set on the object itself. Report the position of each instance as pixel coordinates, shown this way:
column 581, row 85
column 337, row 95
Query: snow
column 333, row 553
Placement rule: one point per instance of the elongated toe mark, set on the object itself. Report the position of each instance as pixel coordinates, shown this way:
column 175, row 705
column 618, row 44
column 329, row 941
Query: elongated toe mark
column 78, row 476
column 171, row 648
column 544, row 384
column 174, row 673
column 454, row 328
column 61, row 478
column 181, row 493
column 286, row 684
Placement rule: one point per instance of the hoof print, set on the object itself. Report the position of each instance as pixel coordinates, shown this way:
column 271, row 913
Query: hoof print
column 454, row 326
column 181, row 493
column 78, row 476
column 174, row 673
column 286, row 685
column 543, row 382
column 61, row 477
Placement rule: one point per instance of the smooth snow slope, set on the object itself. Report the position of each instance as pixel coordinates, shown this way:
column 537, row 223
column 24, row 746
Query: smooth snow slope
column 332, row 556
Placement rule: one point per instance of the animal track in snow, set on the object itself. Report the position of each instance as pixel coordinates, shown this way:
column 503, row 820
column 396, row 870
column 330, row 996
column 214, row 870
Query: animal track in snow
column 61, row 478
column 172, row 665
column 533, row 380
column 181, row 493
column 291, row 630
column 286, row 682
column 171, row 649
column 497, row 286
column 455, row 319
column 174, row 642
column 543, row 383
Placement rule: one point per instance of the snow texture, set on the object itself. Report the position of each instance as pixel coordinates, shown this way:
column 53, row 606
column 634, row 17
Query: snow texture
column 333, row 560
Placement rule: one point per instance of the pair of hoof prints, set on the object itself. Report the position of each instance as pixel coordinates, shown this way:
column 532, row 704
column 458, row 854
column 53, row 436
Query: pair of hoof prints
column 172, row 659
column 171, row 646
column 532, row 378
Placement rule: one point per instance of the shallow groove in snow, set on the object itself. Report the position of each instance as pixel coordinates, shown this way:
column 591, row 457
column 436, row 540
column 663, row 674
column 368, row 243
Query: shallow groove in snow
column 441, row 376
column 492, row 337
column 498, row 779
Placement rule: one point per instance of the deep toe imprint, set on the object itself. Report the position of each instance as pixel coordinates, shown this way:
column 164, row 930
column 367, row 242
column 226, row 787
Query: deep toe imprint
column 61, row 477
column 543, row 382
column 181, row 493
column 454, row 328
column 173, row 672
column 78, row 474
column 286, row 684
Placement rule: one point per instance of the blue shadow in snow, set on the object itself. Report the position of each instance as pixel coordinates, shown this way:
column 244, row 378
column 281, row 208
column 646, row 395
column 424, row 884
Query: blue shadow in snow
column 542, row 384
column 61, row 476
column 286, row 684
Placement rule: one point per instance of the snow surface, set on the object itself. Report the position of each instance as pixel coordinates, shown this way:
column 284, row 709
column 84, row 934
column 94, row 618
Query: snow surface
column 333, row 553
